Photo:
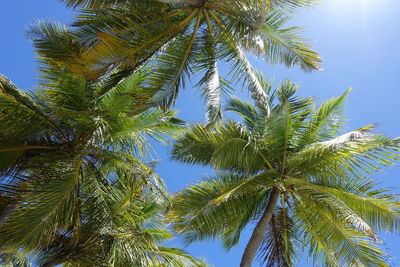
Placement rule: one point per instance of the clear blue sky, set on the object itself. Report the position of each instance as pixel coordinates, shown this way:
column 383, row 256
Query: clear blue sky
column 359, row 41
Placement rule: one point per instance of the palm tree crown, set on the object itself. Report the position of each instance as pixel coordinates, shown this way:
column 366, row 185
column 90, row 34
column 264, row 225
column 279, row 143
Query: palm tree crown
column 306, row 186
column 72, row 188
column 176, row 38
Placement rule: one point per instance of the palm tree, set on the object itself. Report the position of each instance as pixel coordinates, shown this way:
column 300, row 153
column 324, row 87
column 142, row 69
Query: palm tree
column 72, row 188
column 305, row 186
column 120, row 226
column 175, row 39
column 125, row 230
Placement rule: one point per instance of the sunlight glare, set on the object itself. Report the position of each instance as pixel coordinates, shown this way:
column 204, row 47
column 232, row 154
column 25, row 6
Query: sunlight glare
column 361, row 7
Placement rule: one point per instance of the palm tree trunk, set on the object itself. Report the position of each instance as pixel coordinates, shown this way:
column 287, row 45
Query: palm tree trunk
column 258, row 233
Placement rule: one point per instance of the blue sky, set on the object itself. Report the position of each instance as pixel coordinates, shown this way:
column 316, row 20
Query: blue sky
column 359, row 41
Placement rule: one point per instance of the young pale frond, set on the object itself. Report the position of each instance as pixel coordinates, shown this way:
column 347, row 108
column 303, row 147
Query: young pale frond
column 299, row 108
column 211, row 81
column 212, row 94
column 355, row 153
column 241, row 65
column 280, row 128
column 282, row 45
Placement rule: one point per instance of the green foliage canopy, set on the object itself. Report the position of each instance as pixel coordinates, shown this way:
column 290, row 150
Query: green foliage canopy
column 179, row 40
column 72, row 188
column 327, row 203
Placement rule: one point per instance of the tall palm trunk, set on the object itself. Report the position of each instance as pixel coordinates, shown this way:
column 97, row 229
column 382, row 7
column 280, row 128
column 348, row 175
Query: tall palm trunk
column 258, row 233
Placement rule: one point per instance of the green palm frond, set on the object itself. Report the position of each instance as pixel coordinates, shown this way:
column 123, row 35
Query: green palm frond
column 278, row 4
column 54, row 40
column 173, row 38
column 47, row 202
column 340, row 244
column 325, row 120
column 73, row 188
column 93, row 3
column 379, row 208
column 14, row 258
column 281, row 243
column 354, row 153
column 327, row 204
column 292, row 5
column 231, row 144
column 211, row 216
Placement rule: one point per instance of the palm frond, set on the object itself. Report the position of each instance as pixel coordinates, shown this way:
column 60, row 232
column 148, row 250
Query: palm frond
column 282, row 45
column 93, row 3
column 328, row 206
column 280, row 241
column 48, row 202
column 212, row 218
column 332, row 242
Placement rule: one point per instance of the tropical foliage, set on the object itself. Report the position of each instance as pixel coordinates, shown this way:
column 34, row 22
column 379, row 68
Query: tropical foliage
column 177, row 39
column 72, row 188
column 293, row 172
